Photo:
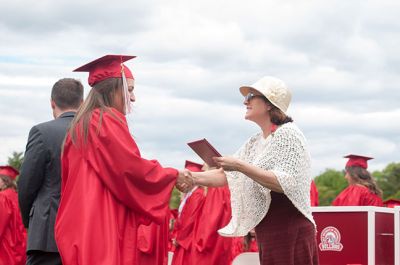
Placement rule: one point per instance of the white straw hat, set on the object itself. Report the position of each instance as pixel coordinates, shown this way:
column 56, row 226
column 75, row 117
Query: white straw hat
column 273, row 89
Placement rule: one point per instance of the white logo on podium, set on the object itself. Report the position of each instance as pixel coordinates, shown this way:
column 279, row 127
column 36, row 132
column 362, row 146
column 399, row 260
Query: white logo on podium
column 330, row 239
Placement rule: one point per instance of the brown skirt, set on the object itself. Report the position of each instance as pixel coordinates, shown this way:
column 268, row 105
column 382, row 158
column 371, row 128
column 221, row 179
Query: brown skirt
column 285, row 236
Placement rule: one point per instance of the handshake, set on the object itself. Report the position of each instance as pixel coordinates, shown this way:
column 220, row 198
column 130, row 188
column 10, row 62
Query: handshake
column 185, row 181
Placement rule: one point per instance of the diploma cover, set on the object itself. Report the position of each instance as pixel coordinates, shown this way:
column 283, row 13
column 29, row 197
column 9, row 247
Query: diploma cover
column 205, row 150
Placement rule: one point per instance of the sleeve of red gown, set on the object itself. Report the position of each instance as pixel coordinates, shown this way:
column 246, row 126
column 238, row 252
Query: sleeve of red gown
column 186, row 221
column 215, row 214
column 140, row 184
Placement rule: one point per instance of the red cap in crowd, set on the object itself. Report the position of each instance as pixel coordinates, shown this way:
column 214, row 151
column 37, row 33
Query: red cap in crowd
column 9, row 171
column 106, row 67
column 357, row 161
column 192, row 166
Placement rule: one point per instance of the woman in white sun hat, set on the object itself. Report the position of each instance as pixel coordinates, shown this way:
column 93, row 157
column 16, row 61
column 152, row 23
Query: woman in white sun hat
column 269, row 178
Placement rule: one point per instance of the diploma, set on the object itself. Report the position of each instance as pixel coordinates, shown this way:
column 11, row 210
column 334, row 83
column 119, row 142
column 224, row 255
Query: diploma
column 205, row 151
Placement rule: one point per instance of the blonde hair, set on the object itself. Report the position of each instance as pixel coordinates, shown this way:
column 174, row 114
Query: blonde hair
column 101, row 96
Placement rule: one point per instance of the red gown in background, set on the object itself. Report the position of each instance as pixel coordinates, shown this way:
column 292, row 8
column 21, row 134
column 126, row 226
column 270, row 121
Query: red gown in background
column 357, row 195
column 184, row 228
column 314, row 194
column 153, row 243
column 209, row 247
column 172, row 234
column 12, row 231
column 107, row 191
column 238, row 246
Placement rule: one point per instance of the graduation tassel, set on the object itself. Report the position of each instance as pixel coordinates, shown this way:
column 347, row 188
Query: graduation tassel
column 127, row 100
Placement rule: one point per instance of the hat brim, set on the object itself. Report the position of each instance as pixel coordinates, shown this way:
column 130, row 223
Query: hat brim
column 244, row 90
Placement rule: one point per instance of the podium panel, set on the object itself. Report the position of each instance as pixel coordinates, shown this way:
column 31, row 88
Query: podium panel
column 355, row 235
column 397, row 235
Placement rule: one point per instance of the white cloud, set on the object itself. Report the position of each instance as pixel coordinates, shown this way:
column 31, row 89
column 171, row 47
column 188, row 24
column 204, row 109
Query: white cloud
column 340, row 58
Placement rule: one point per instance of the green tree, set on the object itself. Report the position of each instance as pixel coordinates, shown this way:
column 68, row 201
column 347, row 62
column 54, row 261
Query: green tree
column 329, row 184
column 15, row 160
column 175, row 199
column 389, row 181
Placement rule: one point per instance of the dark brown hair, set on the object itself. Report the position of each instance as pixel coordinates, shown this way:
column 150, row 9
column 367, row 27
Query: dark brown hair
column 67, row 93
column 101, row 96
column 277, row 116
column 361, row 176
column 8, row 182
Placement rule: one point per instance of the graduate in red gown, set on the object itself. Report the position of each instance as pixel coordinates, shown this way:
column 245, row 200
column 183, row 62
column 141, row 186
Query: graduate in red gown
column 362, row 189
column 210, row 248
column 243, row 244
column 12, row 230
column 314, row 194
column 108, row 189
column 173, row 216
column 391, row 203
column 188, row 214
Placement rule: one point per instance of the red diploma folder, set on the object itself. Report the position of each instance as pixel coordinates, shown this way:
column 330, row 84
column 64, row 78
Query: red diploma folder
column 205, row 150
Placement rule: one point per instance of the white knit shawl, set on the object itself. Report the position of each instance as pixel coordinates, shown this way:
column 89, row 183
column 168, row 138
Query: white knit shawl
column 285, row 153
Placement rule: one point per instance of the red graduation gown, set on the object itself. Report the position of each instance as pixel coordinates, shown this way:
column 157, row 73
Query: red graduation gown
column 237, row 246
column 153, row 243
column 253, row 245
column 107, row 191
column 357, row 195
column 209, row 247
column 314, row 194
column 184, row 227
column 12, row 231
column 172, row 234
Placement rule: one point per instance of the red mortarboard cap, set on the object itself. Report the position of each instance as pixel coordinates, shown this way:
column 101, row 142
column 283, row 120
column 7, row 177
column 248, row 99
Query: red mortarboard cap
column 357, row 161
column 192, row 166
column 106, row 67
column 9, row 171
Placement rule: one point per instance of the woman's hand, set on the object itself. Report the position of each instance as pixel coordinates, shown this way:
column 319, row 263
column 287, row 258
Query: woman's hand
column 229, row 163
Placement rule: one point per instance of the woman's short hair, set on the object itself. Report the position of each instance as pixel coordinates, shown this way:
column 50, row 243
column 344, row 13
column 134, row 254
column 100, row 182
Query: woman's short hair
column 278, row 117
column 67, row 93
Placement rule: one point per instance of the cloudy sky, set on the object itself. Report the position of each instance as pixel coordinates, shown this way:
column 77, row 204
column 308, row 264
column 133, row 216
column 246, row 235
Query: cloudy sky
column 340, row 59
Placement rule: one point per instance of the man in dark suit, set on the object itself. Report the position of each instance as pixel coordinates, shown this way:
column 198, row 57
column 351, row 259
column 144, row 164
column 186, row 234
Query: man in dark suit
column 39, row 183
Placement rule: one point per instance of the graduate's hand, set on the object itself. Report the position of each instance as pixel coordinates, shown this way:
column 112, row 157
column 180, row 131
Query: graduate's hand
column 229, row 163
column 184, row 182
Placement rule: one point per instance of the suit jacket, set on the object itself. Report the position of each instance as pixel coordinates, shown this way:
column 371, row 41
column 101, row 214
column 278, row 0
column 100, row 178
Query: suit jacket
column 39, row 183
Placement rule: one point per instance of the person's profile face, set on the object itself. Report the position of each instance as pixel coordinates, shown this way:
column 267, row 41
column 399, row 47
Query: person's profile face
column 2, row 184
column 131, row 87
column 256, row 106
column 348, row 178
column 119, row 103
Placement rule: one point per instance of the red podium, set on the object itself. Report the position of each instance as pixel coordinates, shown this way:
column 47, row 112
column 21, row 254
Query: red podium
column 355, row 235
